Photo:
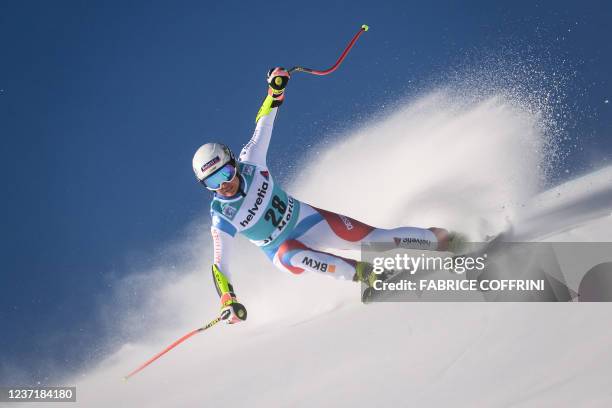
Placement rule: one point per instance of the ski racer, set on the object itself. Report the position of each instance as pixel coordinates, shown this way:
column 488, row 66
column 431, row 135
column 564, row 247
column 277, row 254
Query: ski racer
column 294, row 235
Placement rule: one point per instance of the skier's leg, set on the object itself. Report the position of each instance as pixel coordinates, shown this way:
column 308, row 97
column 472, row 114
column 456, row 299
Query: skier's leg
column 323, row 229
column 295, row 257
column 320, row 230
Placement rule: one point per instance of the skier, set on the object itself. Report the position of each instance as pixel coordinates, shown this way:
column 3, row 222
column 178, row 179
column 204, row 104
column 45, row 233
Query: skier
column 293, row 234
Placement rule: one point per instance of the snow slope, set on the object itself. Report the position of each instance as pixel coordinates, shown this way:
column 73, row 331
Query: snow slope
column 309, row 342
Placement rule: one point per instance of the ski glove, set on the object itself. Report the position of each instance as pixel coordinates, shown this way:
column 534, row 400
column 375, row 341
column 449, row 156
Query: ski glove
column 232, row 311
column 277, row 78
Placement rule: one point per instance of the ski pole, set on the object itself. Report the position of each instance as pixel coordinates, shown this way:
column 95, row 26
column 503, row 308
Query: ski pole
column 363, row 29
column 173, row 345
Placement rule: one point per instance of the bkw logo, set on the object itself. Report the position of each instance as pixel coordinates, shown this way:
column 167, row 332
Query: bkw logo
column 318, row 265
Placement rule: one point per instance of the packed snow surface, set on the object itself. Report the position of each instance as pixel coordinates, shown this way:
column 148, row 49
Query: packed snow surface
column 309, row 342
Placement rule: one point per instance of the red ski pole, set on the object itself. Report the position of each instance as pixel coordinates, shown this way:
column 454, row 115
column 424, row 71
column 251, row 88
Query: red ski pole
column 173, row 345
column 363, row 29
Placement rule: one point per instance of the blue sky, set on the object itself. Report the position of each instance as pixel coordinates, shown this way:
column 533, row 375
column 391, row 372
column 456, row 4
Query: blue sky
column 103, row 103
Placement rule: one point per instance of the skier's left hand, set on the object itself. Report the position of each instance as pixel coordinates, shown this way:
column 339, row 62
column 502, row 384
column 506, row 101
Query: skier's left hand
column 278, row 78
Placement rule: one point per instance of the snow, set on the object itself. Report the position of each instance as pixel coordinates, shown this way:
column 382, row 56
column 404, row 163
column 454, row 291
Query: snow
column 309, row 342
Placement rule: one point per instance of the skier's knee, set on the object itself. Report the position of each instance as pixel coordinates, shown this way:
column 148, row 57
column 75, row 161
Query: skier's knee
column 284, row 255
column 441, row 236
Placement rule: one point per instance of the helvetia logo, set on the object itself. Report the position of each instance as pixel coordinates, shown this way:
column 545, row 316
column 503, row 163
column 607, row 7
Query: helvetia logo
column 318, row 265
column 261, row 193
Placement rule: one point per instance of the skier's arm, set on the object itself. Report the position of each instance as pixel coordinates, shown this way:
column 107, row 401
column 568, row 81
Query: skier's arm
column 255, row 151
column 223, row 236
column 223, row 243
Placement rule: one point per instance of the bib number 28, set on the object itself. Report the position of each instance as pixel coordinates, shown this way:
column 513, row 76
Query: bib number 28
column 280, row 206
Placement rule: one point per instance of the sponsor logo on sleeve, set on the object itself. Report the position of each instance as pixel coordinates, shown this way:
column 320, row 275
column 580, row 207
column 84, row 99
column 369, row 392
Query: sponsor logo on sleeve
column 217, row 245
column 250, row 145
column 229, row 211
column 247, row 170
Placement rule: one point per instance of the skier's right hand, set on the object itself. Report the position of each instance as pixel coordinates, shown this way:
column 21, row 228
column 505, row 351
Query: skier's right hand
column 232, row 311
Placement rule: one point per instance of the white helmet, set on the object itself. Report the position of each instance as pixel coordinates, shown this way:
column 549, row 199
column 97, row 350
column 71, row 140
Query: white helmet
column 210, row 158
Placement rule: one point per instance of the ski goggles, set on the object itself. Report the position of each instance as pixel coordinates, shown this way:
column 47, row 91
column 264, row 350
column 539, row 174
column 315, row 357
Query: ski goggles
column 223, row 175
